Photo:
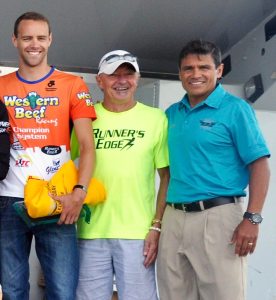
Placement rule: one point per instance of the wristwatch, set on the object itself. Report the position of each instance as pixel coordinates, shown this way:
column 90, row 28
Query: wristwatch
column 254, row 218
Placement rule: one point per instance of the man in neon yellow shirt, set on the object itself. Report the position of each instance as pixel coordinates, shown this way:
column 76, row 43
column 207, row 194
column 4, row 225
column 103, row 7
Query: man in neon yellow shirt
column 131, row 144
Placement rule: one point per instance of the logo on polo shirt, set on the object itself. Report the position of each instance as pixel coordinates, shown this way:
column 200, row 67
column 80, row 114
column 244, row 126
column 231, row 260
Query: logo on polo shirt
column 207, row 123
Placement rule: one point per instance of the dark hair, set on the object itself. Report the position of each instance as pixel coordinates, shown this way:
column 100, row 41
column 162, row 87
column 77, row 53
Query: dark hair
column 200, row 47
column 30, row 15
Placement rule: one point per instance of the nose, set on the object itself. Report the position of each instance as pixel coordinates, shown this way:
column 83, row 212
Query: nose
column 196, row 72
column 34, row 42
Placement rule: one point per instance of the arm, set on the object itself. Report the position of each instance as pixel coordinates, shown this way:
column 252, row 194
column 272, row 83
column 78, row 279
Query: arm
column 246, row 232
column 72, row 203
column 152, row 238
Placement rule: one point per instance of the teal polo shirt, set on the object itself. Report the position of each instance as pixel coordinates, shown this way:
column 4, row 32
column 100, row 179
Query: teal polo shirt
column 211, row 146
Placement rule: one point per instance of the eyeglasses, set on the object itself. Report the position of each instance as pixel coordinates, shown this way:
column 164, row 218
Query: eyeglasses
column 115, row 57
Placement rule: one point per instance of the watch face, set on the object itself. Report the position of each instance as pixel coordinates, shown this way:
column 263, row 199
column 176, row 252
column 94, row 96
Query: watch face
column 256, row 218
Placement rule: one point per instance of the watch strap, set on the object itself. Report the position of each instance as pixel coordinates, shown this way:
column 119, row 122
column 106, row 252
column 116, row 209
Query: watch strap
column 80, row 186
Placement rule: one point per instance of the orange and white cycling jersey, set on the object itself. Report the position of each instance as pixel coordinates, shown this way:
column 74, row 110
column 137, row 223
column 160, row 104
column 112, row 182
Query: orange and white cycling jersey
column 40, row 113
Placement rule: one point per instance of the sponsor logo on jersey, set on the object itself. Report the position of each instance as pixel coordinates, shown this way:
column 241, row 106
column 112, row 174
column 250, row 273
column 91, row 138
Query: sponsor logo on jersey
column 4, row 126
column 33, row 106
column 51, row 150
column 51, row 86
column 122, row 139
column 16, row 145
column 31, row 133
column 51, row 83
column 87, row 97
column 54, row 167
column 23, row 161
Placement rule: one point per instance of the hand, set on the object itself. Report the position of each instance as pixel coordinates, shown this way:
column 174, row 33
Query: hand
column 245, row 237
column 151, row 247
column 71, row 206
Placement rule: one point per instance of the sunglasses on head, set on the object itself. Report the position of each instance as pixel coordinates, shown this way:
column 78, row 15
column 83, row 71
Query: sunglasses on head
column 115, row 57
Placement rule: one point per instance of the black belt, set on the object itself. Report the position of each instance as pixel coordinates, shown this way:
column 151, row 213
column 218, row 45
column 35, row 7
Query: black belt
column 202, row 205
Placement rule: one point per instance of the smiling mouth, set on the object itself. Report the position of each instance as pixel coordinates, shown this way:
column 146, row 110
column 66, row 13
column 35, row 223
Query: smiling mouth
column 197, row 82
column 33, row 53
column 121, row 89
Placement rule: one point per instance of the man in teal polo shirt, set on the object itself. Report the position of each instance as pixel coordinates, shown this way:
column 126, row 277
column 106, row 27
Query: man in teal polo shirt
column 216, row 150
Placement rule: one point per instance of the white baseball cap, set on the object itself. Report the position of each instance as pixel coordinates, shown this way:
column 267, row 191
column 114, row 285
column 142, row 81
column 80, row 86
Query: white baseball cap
column 112, row 60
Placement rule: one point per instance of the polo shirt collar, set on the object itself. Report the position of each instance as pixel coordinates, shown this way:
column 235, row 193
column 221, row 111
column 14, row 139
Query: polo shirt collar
column 213, row 100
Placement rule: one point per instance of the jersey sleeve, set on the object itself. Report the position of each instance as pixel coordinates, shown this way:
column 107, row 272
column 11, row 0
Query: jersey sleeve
column 81, row 104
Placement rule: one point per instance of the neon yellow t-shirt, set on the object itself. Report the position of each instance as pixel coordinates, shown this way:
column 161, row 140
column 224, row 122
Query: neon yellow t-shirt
column 129, row 147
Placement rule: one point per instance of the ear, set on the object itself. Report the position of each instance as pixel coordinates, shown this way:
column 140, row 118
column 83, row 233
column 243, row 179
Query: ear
column 99, row 81
column 179, row 75
column 50, row 38
column 14, row 40
column 220, row 71
column 137, row 78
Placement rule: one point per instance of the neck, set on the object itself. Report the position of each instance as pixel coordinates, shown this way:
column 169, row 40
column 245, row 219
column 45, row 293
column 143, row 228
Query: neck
column 195, row 101
column 118, row 106
column 33, row 73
